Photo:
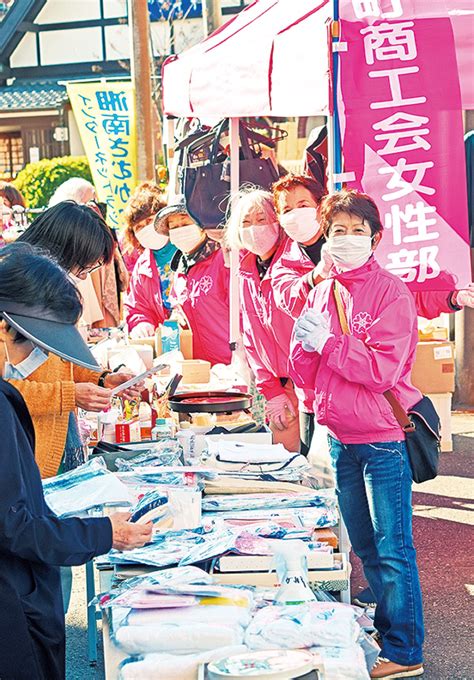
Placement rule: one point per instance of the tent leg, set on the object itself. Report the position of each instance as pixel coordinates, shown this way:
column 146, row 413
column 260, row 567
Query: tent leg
column 334, row 124
column 234, row 302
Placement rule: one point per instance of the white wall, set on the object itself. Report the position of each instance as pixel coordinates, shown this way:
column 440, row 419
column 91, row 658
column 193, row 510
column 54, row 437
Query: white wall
column 75, row 143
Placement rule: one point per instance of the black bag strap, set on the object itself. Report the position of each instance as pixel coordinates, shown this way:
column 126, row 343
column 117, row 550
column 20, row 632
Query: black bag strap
column 399, row 412
column 219, row 131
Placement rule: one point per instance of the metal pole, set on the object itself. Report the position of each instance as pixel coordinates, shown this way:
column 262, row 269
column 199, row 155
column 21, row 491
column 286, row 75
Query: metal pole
column 234, row 301
column 335, row 124
column 211, row 15
column 139, row 28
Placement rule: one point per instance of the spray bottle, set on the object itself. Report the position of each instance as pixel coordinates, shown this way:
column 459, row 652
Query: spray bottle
column 292, row 570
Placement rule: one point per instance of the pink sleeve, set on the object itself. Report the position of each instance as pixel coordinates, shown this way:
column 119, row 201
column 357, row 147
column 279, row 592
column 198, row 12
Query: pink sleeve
column 291, row 290
column 380, row 360
column 432, row 303
column 140, row 305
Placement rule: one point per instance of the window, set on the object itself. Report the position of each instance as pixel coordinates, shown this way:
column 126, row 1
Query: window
column 11, row 155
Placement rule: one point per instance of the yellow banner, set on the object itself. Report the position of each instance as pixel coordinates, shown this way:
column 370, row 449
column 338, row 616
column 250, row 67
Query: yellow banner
column 105, row 116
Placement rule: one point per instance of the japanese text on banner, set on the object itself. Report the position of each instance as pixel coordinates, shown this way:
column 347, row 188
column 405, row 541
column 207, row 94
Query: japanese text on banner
column 105, row 117
column 408, row 151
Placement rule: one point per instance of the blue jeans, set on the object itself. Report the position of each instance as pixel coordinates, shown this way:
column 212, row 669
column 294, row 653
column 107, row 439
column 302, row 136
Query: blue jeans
column 373, row 485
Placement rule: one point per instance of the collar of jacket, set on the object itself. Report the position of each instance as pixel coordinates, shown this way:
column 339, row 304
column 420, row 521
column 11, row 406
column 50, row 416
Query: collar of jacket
column 354, row 276
column 185, row 262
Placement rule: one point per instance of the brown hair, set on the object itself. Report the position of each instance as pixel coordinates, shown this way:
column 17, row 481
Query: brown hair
column 291, row 181
column 145, row 202
column 12, row 194
column 351, row 202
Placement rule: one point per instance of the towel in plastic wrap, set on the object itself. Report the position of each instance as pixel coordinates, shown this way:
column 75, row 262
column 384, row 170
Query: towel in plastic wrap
column 225, row 503
column 170, row 666
column 183, row 638
column 316, row 624
column 344, row 663
column 88, row 486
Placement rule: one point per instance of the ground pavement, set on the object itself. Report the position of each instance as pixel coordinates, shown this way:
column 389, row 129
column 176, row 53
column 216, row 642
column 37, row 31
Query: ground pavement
column 444, row 537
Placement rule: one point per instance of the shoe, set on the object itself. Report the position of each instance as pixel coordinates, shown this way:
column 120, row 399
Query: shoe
column 365, row 599
column 386, row 669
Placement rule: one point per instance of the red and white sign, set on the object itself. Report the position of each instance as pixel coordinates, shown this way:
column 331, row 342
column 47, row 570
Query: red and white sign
column 400, row 106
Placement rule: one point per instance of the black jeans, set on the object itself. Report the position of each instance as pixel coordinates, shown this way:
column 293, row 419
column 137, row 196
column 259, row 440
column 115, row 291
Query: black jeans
column 306, row 431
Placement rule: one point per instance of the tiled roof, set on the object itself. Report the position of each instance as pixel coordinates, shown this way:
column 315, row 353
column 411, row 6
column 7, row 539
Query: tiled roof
column 32, row 94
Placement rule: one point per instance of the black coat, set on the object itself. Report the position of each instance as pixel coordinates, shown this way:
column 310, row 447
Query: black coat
column 33, row 543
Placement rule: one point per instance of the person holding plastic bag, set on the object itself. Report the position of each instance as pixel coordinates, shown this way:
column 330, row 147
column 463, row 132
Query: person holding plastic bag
column 39, row 307
column 349, row 370
column 201, row 284
column 266, row 330
column 147, row 304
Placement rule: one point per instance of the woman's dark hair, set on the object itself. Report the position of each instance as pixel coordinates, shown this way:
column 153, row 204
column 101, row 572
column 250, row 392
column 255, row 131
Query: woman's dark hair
column 291, row 181
column 75, row 235
column 12, row 194
column 31, row 277
column 351, row 202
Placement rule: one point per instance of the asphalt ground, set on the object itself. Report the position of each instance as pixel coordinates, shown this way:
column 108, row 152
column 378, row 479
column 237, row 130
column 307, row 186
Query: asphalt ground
column 444, row 536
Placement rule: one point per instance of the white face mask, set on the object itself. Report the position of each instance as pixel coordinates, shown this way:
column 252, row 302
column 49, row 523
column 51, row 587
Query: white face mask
column 260, row 239
column 187, row 238
column 300, row 224
column 26, row 367
column 76, row 279
column 349, row 252
column 147, row 237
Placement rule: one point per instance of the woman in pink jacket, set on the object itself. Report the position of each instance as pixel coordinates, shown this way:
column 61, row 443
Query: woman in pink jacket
column 350, row 373
column 201, row 284
column 266, row 330
column 147, row 304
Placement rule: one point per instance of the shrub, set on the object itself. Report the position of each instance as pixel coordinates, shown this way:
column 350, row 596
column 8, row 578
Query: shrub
column 38, row 181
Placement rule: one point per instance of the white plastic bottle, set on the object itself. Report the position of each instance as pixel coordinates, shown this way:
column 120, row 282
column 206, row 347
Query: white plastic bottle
column 293, row 571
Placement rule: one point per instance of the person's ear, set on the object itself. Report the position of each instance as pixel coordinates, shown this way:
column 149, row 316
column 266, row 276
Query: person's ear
column 4, row 328
column 376, row 238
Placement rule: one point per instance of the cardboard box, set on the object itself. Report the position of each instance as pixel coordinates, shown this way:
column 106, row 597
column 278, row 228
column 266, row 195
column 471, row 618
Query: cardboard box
column 442, row 404
column 433, row 370
column 194, row 370
column 186, row 342
column 128, row 431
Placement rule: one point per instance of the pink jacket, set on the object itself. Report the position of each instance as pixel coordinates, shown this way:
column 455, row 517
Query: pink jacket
column 203, row 294
column 144, row 301
column 353, row 371
column 289, row 278
column 266, row 329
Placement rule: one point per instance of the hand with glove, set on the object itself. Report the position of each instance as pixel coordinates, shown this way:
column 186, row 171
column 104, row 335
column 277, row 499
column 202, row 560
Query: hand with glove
column 312, row 330
column 323, row 268
column 278, row 409
column 464, row 297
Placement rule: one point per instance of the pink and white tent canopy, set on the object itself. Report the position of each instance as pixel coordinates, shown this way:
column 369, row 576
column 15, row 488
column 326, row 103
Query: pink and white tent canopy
column 272, row 59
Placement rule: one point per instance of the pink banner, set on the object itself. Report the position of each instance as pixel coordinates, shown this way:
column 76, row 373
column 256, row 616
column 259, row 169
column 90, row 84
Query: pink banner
column 400, row 106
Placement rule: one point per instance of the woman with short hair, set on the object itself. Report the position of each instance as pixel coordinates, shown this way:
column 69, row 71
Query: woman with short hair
column 350, row 370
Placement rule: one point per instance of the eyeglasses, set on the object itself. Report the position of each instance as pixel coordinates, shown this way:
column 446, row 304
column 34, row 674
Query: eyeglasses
column 88, row 270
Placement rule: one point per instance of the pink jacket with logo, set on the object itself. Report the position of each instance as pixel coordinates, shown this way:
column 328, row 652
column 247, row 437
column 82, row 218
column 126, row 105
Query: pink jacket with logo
column 203, row 294
column 266, row 329
column 353, row 371
column 144, row 301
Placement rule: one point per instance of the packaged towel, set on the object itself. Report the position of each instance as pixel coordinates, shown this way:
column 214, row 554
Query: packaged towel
column 176, row 638
column 202, row 614
column 344, row 663
column 315, row 624
column 171, row 667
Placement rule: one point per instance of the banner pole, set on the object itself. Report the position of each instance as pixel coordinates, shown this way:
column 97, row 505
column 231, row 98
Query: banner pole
column 234, row 302
column 336, row 129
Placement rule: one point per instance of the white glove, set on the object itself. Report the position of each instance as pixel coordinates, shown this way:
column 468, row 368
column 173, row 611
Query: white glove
column 277, row 410
column 465, row 297
column 312, row 330
column 143, row 330
column 325, row 264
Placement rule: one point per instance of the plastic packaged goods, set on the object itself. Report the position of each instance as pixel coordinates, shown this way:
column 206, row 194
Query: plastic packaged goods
column 171, row 667
column 344, row 663
column 165, row 452
column 315, row 624
column 121, row 594
column 179, row 547
column 187, row 439
column 88, row 486
column 177, row 639
column 205, row 614
column 226, row 503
